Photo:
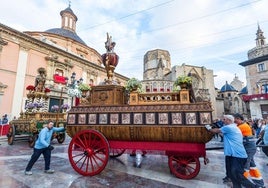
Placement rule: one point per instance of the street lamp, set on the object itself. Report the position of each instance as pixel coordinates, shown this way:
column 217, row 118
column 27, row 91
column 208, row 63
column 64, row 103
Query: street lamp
column 72, row 86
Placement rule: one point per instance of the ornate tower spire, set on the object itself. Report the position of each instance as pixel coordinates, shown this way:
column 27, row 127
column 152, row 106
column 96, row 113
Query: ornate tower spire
column 260, row 40
column 68, row 19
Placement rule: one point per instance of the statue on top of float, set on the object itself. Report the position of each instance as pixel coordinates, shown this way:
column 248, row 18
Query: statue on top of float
column 110, row 60
column 109, row 44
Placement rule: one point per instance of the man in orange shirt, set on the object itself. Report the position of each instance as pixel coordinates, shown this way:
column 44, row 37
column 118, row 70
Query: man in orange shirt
column 251, row 170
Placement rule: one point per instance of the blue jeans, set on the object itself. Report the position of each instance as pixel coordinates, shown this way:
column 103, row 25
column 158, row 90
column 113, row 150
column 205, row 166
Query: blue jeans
column 35, row 156
column 235, row 169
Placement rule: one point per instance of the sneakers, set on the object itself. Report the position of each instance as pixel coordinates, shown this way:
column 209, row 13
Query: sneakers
column 226, row 180
column 49, row 171
column 28, row 173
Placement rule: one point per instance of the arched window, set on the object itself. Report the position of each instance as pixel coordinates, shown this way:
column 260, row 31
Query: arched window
column 59, row 72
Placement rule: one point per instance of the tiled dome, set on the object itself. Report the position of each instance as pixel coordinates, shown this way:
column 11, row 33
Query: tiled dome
column 66, row 33
column 244, row 90
column 227, row 87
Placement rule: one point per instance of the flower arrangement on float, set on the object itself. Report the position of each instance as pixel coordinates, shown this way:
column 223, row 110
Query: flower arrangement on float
column 47, row 90
column 30, row 88
column 183, row 81
column 33, row 105
column 55, row 108
column 134, row 84
column 65, row 106
column 84, row 87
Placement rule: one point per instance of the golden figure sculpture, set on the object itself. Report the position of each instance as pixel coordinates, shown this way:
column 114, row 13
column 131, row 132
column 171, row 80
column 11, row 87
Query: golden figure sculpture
column 40, row 80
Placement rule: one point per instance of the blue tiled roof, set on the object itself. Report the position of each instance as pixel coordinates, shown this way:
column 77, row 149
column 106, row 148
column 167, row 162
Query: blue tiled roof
column 66, row 33
column 227, row 87
column 244, row 90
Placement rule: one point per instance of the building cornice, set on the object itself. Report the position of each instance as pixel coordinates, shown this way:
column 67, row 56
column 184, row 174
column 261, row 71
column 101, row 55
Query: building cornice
column 49, row 49
column 254, row 61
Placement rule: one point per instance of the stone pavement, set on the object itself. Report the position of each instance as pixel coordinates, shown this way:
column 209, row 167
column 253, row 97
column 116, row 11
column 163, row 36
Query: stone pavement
column 119, row 172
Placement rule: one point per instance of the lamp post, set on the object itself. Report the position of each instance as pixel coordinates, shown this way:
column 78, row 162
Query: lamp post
column 73, row 91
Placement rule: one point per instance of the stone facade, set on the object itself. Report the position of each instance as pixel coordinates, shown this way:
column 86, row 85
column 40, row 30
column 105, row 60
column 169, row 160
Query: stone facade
column 257, row 78
column 60, row 51
column 159, row 76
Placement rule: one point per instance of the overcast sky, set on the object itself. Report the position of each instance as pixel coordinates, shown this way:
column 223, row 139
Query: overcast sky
column 216, row 34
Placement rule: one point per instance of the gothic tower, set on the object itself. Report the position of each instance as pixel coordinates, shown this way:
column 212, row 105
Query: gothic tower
column 156, row 64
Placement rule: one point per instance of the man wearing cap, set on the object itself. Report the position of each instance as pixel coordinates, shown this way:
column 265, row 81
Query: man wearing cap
column 234, row 151
column 251, row 170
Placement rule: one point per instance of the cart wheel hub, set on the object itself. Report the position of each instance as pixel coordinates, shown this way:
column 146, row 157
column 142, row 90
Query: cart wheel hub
column 88, row 152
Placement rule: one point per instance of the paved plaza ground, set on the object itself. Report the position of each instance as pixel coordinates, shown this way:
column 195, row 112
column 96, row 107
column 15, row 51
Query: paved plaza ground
column 120, row 172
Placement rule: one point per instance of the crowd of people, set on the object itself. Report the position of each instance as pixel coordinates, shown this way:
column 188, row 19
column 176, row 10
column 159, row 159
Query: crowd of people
column 239, row 139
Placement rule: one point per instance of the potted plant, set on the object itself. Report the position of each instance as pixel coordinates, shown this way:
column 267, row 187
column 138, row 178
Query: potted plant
column 84, row 87
column 183, row 81
column 133, row 84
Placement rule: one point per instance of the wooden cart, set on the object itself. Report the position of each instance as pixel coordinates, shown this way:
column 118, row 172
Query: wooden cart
column 108, row 123
column 28, row 126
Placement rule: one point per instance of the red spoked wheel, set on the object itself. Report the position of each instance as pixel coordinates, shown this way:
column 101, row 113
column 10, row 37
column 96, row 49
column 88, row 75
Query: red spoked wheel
column 116, row 152
column 88, row 152
column 61, row 137
column 184, row 167
column 11, row 135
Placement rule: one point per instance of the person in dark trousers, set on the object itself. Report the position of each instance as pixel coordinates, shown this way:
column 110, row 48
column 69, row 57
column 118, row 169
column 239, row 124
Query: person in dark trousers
column 236, row 155
column 251, row 170
column 264, row 140
column 42, row 146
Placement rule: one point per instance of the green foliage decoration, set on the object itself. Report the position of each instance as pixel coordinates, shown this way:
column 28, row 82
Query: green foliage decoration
column 133, row 84
column 84, row 87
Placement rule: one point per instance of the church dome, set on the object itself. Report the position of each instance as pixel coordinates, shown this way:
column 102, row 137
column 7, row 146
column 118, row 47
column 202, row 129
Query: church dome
column 68, row 26
column 244, row 91
column 227, row 87
column 66, row 33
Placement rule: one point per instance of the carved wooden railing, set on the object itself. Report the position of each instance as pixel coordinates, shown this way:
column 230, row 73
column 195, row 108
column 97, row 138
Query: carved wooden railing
column 159, row 98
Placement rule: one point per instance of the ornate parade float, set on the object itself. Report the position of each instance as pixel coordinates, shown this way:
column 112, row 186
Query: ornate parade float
column 113, row 119
column 36, row 115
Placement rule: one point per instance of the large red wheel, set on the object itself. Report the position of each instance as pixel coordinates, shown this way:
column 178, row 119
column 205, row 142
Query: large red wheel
column 184, row 167
column 11, row 135
column 88, row 152
column 116, row 152
column 32, row 140
column 61, row 137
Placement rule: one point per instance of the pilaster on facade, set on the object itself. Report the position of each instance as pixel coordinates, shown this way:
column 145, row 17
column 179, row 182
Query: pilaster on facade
column 2, row 43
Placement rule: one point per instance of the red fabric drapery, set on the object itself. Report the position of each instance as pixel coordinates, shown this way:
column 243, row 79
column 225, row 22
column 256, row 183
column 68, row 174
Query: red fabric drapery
column 59, row 79
column 247, row 98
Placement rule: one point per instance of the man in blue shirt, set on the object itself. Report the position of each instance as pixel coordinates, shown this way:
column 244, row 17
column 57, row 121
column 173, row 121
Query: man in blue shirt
column 234, row 151
column 265, row 140
column 42, row 146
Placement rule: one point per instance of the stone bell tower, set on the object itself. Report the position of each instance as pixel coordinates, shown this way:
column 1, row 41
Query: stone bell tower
column 156, row 64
